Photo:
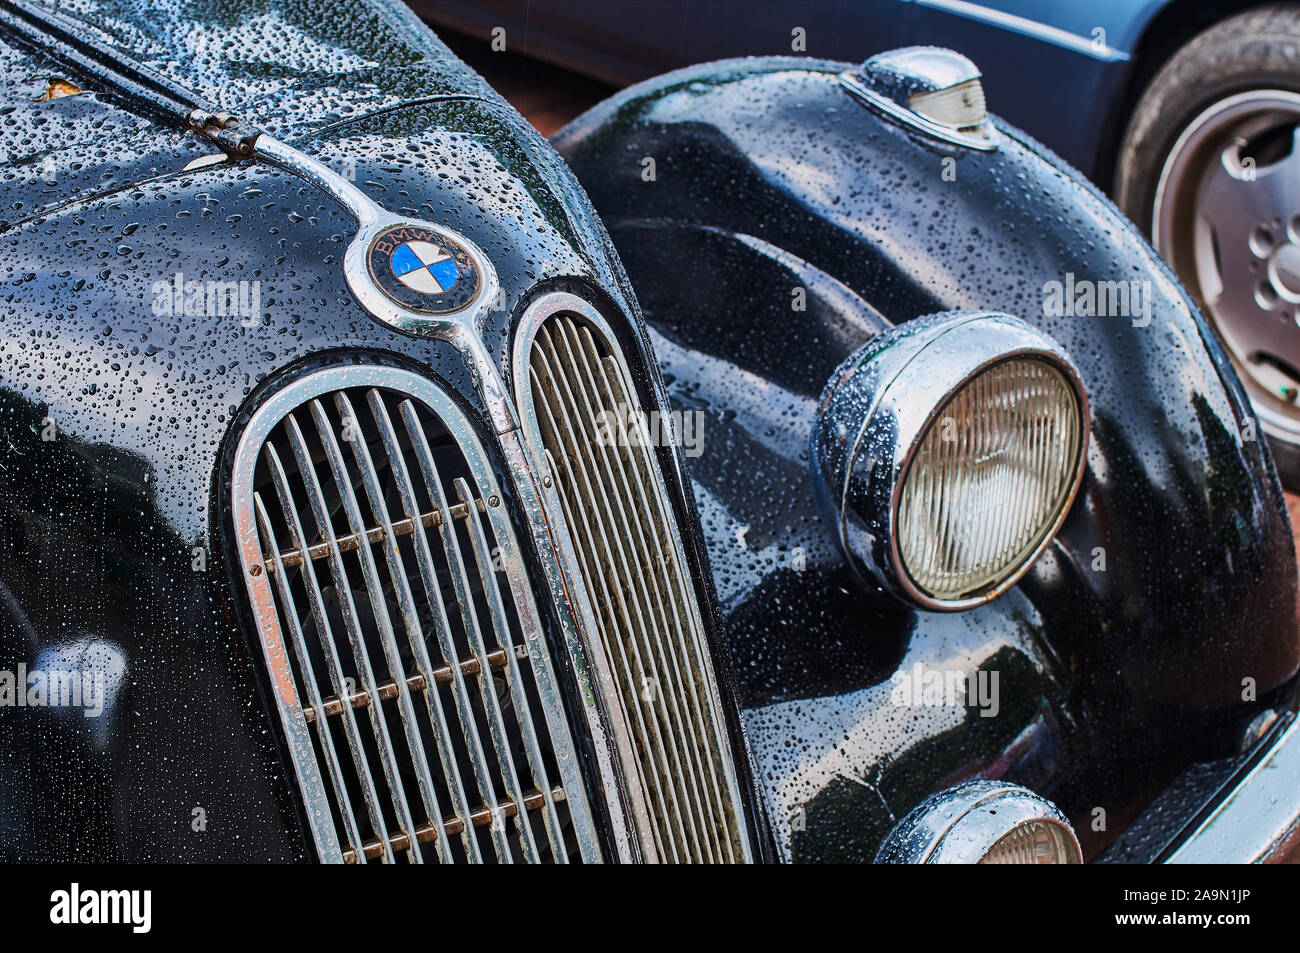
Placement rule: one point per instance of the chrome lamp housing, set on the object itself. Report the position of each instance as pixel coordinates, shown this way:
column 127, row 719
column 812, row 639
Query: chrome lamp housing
column 929, row 89
column 982, row 822
column 947, row 453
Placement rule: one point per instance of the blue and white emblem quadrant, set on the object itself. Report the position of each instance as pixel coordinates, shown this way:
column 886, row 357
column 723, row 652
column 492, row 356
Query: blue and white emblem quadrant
column 424, row 267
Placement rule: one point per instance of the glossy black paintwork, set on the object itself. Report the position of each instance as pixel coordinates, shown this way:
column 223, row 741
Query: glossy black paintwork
column 769, row 177
column 103, row 524
column 1109, row 683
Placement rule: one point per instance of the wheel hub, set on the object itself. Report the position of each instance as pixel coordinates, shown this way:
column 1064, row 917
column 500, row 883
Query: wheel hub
column 1227, row 218
column 1283, row 275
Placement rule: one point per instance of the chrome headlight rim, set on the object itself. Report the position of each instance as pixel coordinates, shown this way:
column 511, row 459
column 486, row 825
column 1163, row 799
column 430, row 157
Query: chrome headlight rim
column 864, row 487
column 964, row 823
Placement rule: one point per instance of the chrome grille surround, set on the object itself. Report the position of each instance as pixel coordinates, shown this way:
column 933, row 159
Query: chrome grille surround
column 452, row 714
column 618, row 536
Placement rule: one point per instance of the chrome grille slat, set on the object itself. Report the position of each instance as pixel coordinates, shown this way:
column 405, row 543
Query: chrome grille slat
column 678, row 595
column 610, row 646
column 648, row 739
column 414, row 632
column 487, row 771
column 299, row 644
column 459, row 577
column 351, row 621
column 442, row 625
column 658, row 697
column 337, row 678
column 668, row 582
column 620, row 531
column 652, row 551
column 514, row 683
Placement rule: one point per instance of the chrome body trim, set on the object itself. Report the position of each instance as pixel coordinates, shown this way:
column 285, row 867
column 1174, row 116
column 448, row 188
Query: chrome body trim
column 537, row 314
column 1027, row 27
column 961, row 824
column 1259, row 819
column 875, row 413
column 278, row 409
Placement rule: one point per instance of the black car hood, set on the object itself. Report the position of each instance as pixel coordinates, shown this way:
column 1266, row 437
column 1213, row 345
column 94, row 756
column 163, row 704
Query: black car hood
column 285, row 63
column 292, row 69
column 115, row 414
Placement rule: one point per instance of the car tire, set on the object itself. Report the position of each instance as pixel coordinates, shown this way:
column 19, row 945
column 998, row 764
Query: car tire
column 1217, row 120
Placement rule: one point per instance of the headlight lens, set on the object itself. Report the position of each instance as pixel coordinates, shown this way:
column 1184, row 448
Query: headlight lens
column 1035, row 842
column 989, row 478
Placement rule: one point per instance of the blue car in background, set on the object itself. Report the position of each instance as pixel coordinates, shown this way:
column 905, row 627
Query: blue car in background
column 1184, row 111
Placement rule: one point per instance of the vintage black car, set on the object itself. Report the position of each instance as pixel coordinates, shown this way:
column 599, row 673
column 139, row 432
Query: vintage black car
column 356, row 506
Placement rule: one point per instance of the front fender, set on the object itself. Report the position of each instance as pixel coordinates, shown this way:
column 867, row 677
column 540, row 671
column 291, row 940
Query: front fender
column 776, row 227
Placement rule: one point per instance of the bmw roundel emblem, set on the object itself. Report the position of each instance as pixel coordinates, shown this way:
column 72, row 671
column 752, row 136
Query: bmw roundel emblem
column 423, row 269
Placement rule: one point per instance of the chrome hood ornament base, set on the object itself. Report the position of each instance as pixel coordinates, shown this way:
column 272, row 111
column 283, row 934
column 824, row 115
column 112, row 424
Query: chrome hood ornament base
column 434, row 312
column 414, row 276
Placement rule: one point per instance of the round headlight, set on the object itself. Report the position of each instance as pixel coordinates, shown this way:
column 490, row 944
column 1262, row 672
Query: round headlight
column 989, row 478
column 982, row 822
column 948, row 452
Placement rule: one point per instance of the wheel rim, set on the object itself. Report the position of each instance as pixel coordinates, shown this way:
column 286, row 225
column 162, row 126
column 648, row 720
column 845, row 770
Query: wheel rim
column 1226, row 216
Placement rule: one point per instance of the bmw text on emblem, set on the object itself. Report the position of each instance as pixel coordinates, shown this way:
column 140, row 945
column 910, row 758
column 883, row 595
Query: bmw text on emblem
column 423, row 270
